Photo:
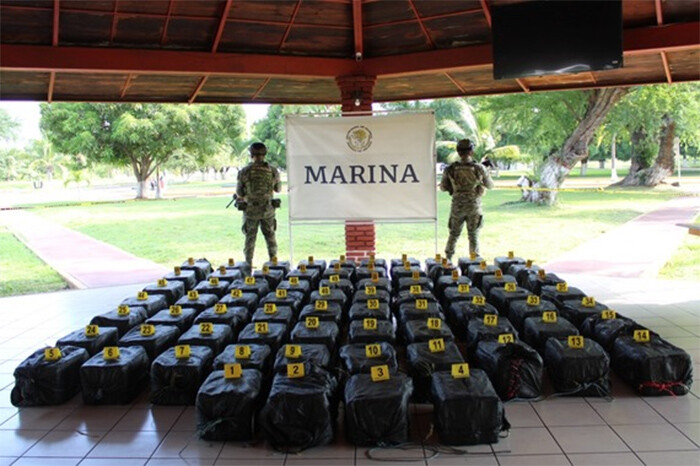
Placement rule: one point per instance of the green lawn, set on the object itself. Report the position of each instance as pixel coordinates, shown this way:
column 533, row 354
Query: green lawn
column 685, row 263
column 167, row 231
column 21, row 272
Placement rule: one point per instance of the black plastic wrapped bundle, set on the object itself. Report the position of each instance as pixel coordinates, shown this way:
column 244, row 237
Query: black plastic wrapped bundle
column 382, row 283
column 274, row 338
column 502, row 298
column 454, row 295
column 521, row 272
column 293, row 299
column 605, row 331
column 326, row 334
column 520, row 310
column 365, row 273
column 108, row 336
column 336, row 296
column 247, row 300
column 182, row 321
column 405, row 296
column 378, row 263
column 656, row 368
column 187, row 277
column 310, row 353
column 536, row 331
column 175, row 381
column 201, row 267
column 515, row 369
column 226, row 407
column 281, row 315
column 41, row 382
column 577, row 371
column 343, row 284
column 534, row 282
column 409, row 311
column 272, row 277
column 260, row 357
column 399, row 262
column 343, row 273
column 405, row 283
column 315, row 264
column 361, row 296
column 461, row 312
column 576, row 312
column 376, row 413
column 235, row 317
column 465, row 262
column 163, row 338
column 202, row 302
column 221, row 335
column 385, row 331
column 550, row 293
column 415, row 331
column 356, row 361
column 260, row 286
column 422, row 363
column 283, row 266
column 478, row 331
column 492, row 281
column 172, row 290
column 504, row 262
column 477, row 274
column 438, row 271
column 400, row 272
column 152, row 304
column 467, row 411
column 115, row 381
column 122, row 322
column 312, row 276
column 301, row 412
column 360, row 310
column 219, row 290
column 447, row 281
column 302, row 288
column 229, row 273
column 333, row 313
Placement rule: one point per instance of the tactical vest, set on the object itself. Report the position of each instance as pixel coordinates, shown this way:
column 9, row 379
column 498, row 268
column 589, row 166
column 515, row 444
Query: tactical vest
column 466, row 177
column 259, row 182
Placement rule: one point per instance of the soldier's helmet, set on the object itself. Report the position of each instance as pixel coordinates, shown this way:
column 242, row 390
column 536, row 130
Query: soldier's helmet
column 257, row 148
column 464, row 146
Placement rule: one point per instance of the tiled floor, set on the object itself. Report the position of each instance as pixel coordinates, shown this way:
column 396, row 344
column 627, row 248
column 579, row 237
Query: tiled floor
column 557, row 431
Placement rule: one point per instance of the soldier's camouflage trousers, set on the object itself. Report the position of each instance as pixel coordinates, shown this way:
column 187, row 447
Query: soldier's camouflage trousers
column 474, row 220
column 268, row 226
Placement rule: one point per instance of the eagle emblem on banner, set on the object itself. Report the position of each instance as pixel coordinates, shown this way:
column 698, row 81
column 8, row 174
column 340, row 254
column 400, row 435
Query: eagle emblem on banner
column 359, row 138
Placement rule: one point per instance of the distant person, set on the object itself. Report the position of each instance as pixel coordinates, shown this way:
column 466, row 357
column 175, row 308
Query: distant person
column 257, row 182
column 466, row 181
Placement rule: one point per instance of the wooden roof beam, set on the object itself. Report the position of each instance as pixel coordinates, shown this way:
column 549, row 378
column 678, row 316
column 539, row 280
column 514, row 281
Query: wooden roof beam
column 52, row 82
column 424, row 18
column 260, row 89
column 56, row 17
column 659, row 12
column 640, row 41
column 126, row 85
column 289, row 25
column 456, row 83
column 422, row 26
column 357, row 29
column 199, row 87
column 487, row 11
column 222, row 26
column 113, row 29
column 667, row 68
column 164, row 34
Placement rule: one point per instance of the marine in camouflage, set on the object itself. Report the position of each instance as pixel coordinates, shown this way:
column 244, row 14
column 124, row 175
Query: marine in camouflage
column 466, row 181
column 257, row 182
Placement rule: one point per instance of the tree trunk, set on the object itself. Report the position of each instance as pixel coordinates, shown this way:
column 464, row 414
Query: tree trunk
column 575, row 148
column 613, row 159
column 664, row 163
column 584, row 166
column 141, row 171
column 637, row 160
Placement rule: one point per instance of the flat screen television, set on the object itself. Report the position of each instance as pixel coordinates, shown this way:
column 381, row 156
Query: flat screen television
column 556, row 37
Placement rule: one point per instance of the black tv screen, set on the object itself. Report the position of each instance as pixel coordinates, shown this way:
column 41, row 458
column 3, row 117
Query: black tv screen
column 556, row 37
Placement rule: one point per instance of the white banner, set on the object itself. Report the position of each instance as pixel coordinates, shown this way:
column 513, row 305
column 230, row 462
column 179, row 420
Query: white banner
column 362, row 167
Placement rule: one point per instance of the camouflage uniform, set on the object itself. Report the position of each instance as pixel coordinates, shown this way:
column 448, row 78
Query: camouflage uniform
column 466, row 181
column 256, row 183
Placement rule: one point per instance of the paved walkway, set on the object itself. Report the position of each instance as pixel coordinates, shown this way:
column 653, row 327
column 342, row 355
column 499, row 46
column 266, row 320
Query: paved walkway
column 639, row 248
column 83, row 261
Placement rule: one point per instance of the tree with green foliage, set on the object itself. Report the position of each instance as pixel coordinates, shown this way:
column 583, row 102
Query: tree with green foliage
column 9, row 127
column 651, row 118
column 271, row 129
column 559, row 124
column 142, row 136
